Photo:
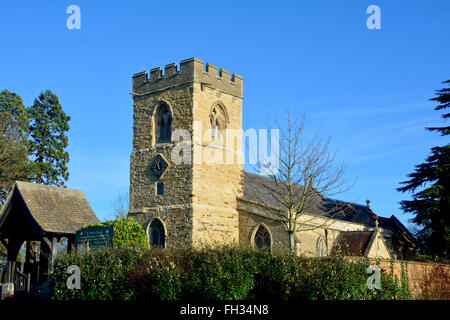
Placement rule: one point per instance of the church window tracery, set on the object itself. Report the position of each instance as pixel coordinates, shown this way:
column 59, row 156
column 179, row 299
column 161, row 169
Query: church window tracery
column 157, row 234
column 262, row 238
column 321, row 248
column 163, row 123
column 218, row 122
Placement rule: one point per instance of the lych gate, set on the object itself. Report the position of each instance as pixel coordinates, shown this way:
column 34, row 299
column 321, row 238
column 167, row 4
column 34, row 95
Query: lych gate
column 41, row 214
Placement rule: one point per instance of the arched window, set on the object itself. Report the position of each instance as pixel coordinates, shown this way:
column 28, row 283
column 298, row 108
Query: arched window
column 218, row 122
column 163, row 123
column 157, row 234
column 262, row 238
column 321, row 248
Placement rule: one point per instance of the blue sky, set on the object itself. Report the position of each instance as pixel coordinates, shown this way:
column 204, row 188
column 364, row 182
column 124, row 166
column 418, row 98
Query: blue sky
column 367, row 89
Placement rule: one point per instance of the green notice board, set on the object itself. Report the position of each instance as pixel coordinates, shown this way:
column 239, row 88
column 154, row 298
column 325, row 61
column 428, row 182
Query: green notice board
column 96, row 237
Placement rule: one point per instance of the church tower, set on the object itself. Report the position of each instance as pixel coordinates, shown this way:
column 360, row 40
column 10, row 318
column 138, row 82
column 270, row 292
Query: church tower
column 186, row 165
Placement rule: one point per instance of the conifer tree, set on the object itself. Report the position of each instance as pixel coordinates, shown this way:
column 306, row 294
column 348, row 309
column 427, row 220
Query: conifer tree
column 13, row 111
column 48, row 140
column 431, row 205
column 14, row 162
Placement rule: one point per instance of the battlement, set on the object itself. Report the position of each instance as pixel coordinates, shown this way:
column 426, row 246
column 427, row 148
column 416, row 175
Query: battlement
column 191, row 70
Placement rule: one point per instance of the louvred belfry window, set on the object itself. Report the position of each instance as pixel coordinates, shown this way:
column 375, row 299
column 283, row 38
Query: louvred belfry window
column 163, row 123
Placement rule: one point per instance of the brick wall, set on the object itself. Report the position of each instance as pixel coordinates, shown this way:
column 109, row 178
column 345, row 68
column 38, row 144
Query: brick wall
column 426, row 280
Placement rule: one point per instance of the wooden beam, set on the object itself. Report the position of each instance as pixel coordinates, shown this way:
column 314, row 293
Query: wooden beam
column 28, row 251
column 13, row 248
column 47, row 241
column 69, row 245
column 4, row 243
column 54, row 247
column 44, row 260
column 53, row 252
column 8, row 271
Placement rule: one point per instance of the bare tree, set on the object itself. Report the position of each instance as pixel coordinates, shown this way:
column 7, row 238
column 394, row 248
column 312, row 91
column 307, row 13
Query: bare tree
column 306, row 177
column 120, row 205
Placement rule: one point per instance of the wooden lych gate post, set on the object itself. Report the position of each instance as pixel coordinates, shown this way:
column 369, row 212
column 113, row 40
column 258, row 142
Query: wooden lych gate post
column 45, row 214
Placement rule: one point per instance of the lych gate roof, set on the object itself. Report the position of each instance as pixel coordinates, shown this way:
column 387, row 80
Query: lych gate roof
column 54, row 209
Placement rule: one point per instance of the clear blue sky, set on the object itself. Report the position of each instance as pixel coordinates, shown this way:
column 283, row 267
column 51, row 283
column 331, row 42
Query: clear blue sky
column 367, row 89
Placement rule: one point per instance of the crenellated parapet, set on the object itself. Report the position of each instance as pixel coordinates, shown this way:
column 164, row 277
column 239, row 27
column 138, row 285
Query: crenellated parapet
column 190, row 70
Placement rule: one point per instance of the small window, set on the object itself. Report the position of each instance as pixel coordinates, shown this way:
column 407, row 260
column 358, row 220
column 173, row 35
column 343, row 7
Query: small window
column 163, row 123
column 159, row 188
column 262, row 238
column 321, row 248
column 218, row 122
column 157, row 235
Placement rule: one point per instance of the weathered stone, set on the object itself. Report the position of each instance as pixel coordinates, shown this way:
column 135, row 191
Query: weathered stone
column 204, row 201
column 199, row 201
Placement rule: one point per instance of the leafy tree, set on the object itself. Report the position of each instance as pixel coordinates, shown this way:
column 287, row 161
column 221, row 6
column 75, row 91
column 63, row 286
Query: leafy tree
column 431, row 205
column 14, row 163
column 37, row 132
column 48, row 139
column 127, row 233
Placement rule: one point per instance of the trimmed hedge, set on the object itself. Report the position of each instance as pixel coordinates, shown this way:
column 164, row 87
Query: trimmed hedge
column 219, row 273
column 102, row 275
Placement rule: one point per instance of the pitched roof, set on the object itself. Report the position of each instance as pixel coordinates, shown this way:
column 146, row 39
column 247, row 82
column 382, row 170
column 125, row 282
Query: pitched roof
column 352, row 243
column 394, row 224
column 256, row 189
column 54, row 209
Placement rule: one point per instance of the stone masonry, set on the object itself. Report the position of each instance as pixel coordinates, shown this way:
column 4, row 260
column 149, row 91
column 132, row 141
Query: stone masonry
column 203, row 200
column 199, row 200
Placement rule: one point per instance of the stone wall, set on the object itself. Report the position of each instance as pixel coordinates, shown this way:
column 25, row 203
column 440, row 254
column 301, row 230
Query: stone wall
column 216, row 182
column 177, row 220
column 205, row 191
column 313, row 227
column 174, row 207
column 177, row 178
column 248, row 223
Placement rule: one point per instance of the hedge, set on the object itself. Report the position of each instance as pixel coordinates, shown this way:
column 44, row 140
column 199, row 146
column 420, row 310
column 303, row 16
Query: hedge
column 219, row 273
column 127, row 233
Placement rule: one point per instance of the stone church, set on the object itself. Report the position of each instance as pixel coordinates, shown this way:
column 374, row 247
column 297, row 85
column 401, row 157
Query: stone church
column 199, row 202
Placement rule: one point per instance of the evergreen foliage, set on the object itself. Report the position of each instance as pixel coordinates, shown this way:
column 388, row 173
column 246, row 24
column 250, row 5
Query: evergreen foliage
column 127, row 233
column 220, row 273
column 14, row 162
column 48, row 140
column 431, row 205
column 32, row 141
